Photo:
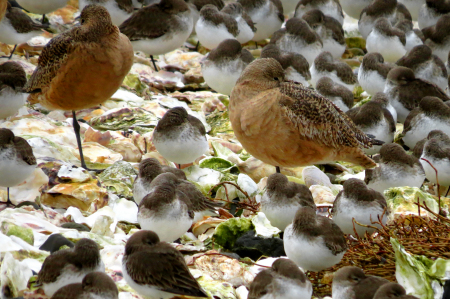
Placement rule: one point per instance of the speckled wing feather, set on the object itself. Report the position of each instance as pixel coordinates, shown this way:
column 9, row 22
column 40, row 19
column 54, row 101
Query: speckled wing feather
column 146, row 23
column 319, row 119
column 53, row 56
column 52, row 266
column 24, row 150
column 168, row 271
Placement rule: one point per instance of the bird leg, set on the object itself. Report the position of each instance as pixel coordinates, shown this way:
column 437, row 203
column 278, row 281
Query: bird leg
column 256, row 45
column 76, row 128
column 196, row 46
column 278, row 169
column 8, row 202
column 179, row 166
column 154, row 64
column 10, row 56
column 446, row 193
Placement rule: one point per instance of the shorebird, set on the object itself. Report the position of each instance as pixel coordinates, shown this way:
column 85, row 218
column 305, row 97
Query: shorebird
column 296, row 67
column 12, row 80
column 68, row 266
column 285, row 124
column 413, row 7
column 93, row 285
column 104, row 63
column 340, row 95
column 392, row 290
column 432, row 113
column 155, row 269
column 396, row 169
column 351, row 283
column 17, row 27
column 42, row 7
column 437, row 37
column 414, row 37
column 361, row 203
column 431, row 11
column 223, row 65
column 180, row 137
column 159, row 28
column 282, row 199
column 330, row 8
column 314, row 242
column 389, row 41
column 283, row 280
column 373, row 72
column 17, row 161
column 196, row 5
column 373, row 118
column 149, row 169
column 245, row 24
column 119, row 10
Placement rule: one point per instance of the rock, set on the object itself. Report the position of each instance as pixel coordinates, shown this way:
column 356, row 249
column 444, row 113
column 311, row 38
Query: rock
column 119, row 179
column 10, row 229
column 78, row 226
column 229, row 231
column 55, row 242
column 263, row 227
column 14, row 276
column 252, row 246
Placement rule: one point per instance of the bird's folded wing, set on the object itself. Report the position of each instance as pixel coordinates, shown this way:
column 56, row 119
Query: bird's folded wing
column 144, row 24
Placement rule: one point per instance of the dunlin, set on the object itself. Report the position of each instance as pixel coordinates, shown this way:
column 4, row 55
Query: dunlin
column 119, row 10
column 223, row 65
column 351, row 283
column 298, row 37
column 196, row 5
column 155, row 269
column 93, row 285
column 267, row 15
column 325, row 66
column 396, row 169
column 437, row 37
column 373, row 72
column 387, row 40
column 42, row 7
column 180, row 137
column 149, row 169
column 426, row 66
column 159, row 28
column 296, row 67
column 330, row 8
column 69, row 266
column 340, row 95
column 361, row 203
column 246, row 26
column 12, row 80
column 414, row 37
column 314, row 242
column 405, row 91
column 282, row 199
column 104, row 63
column 329, row 30
column 392, row 290
column 17, row 27
column 430, row 13
column 432, row 113
column 285, row 124
column 373, row 118
column 17, row 161
column 283, row 280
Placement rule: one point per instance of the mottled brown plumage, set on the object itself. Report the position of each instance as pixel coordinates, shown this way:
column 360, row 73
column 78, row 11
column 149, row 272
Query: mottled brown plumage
column 284, row 124
column 94, row 284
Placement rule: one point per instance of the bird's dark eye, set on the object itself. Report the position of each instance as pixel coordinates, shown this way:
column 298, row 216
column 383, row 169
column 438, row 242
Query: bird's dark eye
column 275, row 78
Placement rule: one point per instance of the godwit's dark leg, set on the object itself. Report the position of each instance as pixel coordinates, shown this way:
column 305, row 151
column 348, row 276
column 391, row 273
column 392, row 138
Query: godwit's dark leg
column 10, row 56
column 154, row 64
column 76, row 128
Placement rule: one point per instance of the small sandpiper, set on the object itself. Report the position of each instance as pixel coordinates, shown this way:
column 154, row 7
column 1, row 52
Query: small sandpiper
column 331, row 8
column 340, row 95
column 314, row 242
column 437, row 37
column 159, row 28
column 246, row 26
column 68, row 266
column 12, row 80
column 414, row 37
column 119, row 10
column 223, row 65
column 295, row 66
column 93, row 285
column 426, row 66
column 298, row 37
column 267, row 15
column 396, row 169
column 430, row 13
column 17, row 27
column 352, row 283
column 432, row 113
column 42, row 7
column 282, row 199
column 149, row 169
column 392, row 290
column 325, row 66
column 17, row 161
column 196, row 5
column 180, row 137
column 155, row 269
column 389, row 9
column 283, row 280
column 329, row 30
column 361, row 203
column 387, row 40
column 405, row 91
column 373, row 118
column 373, row 72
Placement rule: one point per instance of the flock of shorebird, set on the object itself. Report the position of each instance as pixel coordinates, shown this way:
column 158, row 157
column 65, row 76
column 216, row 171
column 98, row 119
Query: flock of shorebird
column 293, row 106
